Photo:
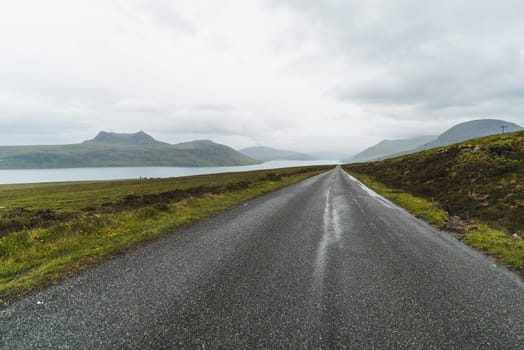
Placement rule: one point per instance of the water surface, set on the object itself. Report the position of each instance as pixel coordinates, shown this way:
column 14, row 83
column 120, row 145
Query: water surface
column 17, row 176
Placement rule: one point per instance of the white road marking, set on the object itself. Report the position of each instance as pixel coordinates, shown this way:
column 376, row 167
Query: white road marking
column 372, row 193
column 332, row 233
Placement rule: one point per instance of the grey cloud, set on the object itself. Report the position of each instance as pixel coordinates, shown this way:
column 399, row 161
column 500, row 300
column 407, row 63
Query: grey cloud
column 167, row 14
column 463, row 79
column 297, row 74
column 211, row 107
column 18, row 119
column 33, row 125
column 218, row 119
column 139, row 106
column 200, row 130
column 431, row 54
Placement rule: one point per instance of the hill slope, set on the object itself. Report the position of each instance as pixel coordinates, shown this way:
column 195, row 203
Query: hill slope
column 472, row 129
column 387, row 148
column 477, row 179
column 267, row 153
column 214, row 153
column 458, row 133
column 113, row 149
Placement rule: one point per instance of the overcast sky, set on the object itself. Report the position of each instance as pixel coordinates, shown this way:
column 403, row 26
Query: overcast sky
column 306, row 75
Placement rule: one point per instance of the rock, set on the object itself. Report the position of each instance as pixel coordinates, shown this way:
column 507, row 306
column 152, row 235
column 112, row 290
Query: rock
column 457, row 224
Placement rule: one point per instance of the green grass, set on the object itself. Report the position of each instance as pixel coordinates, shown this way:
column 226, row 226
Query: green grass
column 499, row 244
column 49, row 231
column 422, row 208
column 479, row 183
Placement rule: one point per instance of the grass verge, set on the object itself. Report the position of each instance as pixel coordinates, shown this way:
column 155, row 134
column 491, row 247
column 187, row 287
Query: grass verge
column 506, row 248
column 497, row 243
column 48, row 231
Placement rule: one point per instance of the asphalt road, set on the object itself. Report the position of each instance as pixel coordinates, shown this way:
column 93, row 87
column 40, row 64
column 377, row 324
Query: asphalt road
column 323, row 264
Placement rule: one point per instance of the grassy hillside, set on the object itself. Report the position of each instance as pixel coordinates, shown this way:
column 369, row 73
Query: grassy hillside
column 480, row 182
column 111, row 149
column 49, row 230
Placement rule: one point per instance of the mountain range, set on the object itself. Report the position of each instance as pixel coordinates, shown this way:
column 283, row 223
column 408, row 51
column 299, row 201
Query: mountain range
column 118, row 149
column 458, row 133
column 141, row 149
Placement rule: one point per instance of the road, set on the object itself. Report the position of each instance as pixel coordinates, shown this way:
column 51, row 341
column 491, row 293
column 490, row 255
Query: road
column 323, row 264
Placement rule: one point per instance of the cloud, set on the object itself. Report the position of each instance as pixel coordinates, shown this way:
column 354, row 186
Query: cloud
column 445, row 77
column 162, row 12
column 139, row 106
column 431, row 55
column 214, row 107
column 30, row 125
column 302, row 74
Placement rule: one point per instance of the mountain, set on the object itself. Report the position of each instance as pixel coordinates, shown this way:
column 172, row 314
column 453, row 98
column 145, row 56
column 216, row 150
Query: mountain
column 114, row 149
column 198, row 144
column 387, row 148
column 139, row 138
column 267, row 153
column 215, row 153
column 458, row 133
column 471, row 130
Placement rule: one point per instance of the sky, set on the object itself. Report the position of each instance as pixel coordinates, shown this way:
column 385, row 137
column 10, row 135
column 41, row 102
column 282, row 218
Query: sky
column 305, row 75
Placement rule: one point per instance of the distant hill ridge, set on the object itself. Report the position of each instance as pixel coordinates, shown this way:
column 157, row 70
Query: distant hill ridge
column 268, row 153
column 120, row 149
column 458, row 133
column 386, row 148
column 472, row 130
column 197, row 144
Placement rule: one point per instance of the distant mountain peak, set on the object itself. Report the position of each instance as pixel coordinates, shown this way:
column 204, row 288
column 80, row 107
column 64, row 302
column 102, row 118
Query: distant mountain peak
column 138, row 138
